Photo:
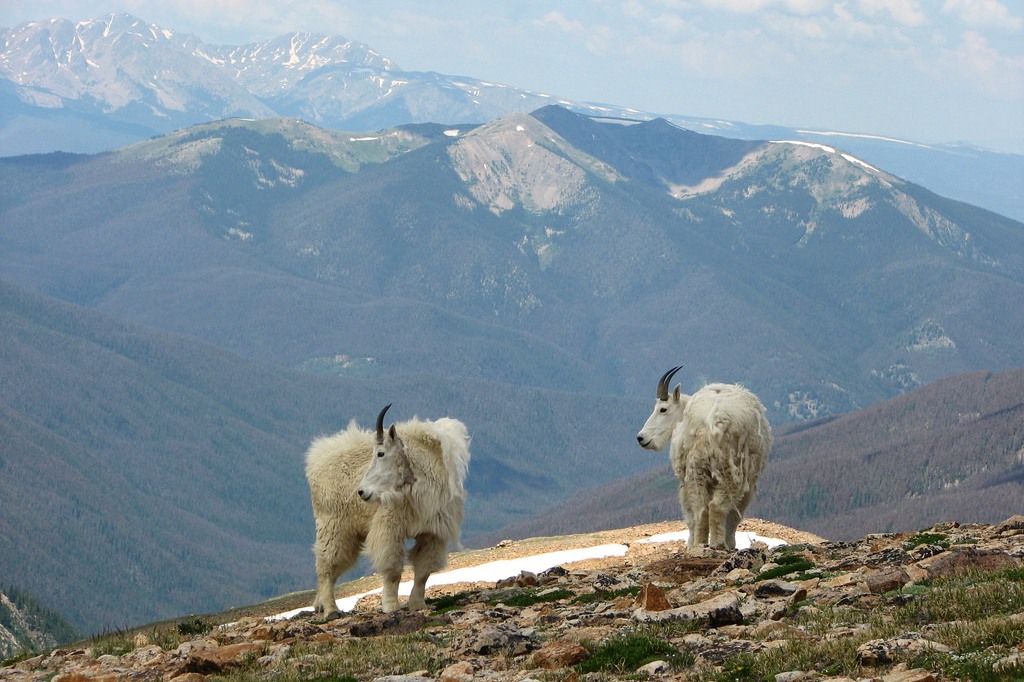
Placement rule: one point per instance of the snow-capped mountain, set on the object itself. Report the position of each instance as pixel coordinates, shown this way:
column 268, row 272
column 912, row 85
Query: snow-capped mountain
column 121, row 67
column 99, row 84
column 157, row 80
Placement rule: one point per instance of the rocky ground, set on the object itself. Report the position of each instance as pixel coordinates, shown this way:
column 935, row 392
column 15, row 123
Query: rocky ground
column 945, row 603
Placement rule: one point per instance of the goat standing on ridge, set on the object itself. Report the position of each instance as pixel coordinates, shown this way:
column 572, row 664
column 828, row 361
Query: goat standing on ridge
column 719, row 444
column 380, row 490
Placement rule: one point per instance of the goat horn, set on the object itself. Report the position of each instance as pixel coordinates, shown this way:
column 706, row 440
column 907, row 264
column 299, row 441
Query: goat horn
column 380, row 423
column 664, row 382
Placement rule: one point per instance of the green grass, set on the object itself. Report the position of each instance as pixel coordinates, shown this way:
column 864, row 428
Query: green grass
column 627, row 652
column 449, row 602
column 788, row 564
column 967, row 613
column 357, row 658
column 938, row 539
column 607, row 595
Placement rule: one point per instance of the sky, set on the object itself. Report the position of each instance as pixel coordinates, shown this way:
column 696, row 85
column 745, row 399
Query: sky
column 923, row 70
column 494, row 571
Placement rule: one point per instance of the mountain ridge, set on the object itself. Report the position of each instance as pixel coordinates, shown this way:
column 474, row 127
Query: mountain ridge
column 545, row 241
column 340, row 83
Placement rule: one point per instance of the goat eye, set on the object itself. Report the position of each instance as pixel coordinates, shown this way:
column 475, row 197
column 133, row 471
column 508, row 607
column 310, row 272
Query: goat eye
column 380, row 454
column 664, row 410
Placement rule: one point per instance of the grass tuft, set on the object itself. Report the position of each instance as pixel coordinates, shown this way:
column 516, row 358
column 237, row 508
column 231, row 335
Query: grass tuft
column 627, row 652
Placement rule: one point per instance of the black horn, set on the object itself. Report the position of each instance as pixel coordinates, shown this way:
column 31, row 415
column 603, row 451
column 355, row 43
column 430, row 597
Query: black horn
column 380, row 423
column 663, row 383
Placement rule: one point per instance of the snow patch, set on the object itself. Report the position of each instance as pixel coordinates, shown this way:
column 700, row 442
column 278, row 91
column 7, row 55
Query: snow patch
column 494, row 571
column 854, row 159
column 863, row 136
column 815, row 145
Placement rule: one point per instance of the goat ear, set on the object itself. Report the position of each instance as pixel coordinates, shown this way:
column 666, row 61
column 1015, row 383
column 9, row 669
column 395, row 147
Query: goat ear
column 677, row 393
column 393, row 433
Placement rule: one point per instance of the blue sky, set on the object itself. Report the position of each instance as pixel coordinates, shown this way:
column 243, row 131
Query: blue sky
column 923, row 70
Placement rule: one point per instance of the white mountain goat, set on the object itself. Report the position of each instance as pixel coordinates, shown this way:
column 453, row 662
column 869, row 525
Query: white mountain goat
column 379, row 490
column 720, row 440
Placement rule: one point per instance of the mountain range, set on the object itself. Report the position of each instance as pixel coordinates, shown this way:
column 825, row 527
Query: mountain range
column 183, row 314
column 551, row 250
column 99, row 84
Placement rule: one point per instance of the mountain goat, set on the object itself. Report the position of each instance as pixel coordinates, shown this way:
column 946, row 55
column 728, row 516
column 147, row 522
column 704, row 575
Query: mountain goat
column 380, row 490
column 720, row 441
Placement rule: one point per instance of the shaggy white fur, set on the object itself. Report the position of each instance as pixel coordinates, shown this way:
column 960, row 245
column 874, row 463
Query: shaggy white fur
column 719, row 443
column 414, row 491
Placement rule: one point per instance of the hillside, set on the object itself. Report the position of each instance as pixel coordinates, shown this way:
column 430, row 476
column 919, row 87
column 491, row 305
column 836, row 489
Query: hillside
column 141, row 470
column 953, row 449
column 549, row 250
column 26, row 625
column 940, row 604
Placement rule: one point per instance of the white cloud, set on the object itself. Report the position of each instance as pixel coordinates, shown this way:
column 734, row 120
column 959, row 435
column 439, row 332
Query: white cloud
column 983, row 13
column 754, row 6
column 987, row 68
column 560, row 22
column 905, row 12
column 598, row 38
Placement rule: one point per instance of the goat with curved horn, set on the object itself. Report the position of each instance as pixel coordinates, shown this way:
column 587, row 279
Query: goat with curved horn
column 719, row 440
column 376, row 490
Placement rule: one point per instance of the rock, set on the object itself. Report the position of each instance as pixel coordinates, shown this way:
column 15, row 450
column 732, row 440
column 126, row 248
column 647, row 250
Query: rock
column 499, row 638
column 219, row 659
column 886, row 580
column 559, row 655
column 396, row 623
column 900, row 673
column 189, row 677
column 458, row 672
column 655, row 668
column 726, row 614
column 792, row 676
column 723, row 609
column 652, row 598
column 963, row 559
column 774, row 588
column 881, row 651
column 1011, row 526
column 1012, row 663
